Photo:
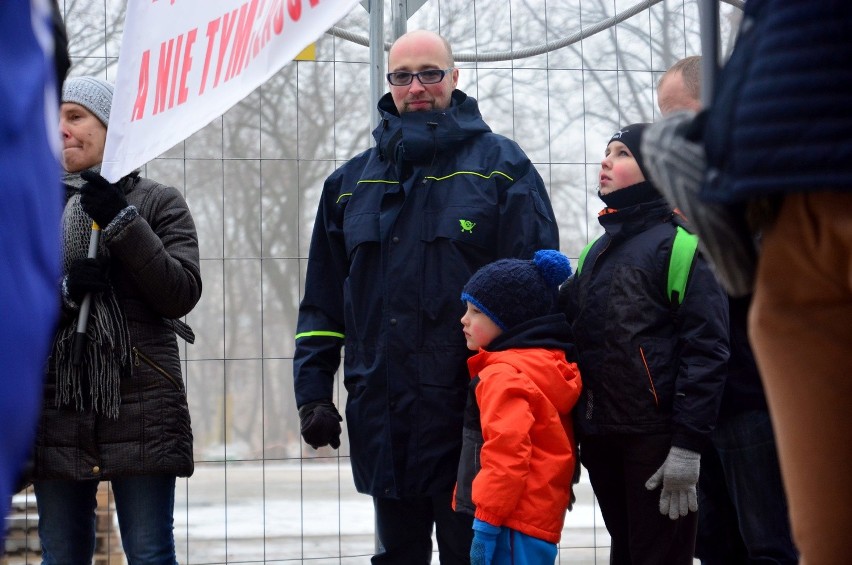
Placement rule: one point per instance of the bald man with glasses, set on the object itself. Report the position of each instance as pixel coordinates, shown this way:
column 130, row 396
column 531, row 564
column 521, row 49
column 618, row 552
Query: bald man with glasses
column 399, row 230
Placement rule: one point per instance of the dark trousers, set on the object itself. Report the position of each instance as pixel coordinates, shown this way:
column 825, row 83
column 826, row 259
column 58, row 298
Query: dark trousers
column 404, row 527
column 742, row 509
column 619, row 466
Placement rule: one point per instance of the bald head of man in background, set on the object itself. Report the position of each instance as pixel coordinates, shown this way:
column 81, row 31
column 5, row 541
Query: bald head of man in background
column 680, row 87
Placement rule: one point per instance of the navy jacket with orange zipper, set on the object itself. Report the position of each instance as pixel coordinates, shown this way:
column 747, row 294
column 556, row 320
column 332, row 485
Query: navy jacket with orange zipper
column 647, row 365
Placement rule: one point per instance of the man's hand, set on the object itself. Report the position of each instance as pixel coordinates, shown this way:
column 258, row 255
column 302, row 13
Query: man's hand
column 320, row 423
column 679, row 476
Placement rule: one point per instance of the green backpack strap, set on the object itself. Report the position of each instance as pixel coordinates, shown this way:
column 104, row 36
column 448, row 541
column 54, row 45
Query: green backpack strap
column 583, row 254
column 680, row 264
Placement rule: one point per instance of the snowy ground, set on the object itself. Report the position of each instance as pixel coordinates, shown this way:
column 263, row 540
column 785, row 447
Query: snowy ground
column 311, row 513
column 308, row 512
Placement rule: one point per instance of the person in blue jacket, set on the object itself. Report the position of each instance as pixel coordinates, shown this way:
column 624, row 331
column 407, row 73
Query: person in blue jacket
column 399, row 230
column 778, row 131
column 653, row 367
column 29, row 226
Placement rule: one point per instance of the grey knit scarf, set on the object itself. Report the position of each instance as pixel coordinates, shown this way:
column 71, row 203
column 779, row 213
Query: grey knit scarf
column 107, row 349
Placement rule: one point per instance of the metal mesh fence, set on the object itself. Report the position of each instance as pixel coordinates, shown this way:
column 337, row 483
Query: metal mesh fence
column 558, row 77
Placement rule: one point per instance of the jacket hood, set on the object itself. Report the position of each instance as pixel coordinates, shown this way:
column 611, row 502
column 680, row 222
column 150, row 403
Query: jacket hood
column 545, row 340
column 418, row 137
column 549, row 332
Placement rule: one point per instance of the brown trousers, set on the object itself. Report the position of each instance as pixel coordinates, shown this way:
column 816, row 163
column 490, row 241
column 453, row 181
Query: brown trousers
column 800, row 326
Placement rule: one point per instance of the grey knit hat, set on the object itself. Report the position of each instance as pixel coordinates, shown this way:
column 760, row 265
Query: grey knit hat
column 513, row 291
column 92, row 93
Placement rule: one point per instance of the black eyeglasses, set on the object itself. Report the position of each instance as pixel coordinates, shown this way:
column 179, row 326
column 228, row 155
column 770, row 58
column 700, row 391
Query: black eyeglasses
column 430, row 76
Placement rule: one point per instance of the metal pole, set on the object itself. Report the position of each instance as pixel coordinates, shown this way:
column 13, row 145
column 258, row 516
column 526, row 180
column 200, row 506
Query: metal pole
column 399, row 15
column 708, row 11
column 79, row 343
column 377, row 57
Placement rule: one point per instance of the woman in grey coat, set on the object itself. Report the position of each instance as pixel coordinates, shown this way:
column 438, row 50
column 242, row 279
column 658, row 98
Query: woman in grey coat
column 115, row 404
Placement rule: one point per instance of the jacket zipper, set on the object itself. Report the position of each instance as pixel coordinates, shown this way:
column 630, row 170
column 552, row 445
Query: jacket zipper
column 139, row 355
column 650, row 379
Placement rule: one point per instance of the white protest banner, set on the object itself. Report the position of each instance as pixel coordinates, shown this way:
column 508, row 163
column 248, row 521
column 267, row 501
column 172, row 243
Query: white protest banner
column 183, row 63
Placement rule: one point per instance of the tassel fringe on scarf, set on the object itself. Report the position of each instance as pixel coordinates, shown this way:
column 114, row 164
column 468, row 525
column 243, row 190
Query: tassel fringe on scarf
column 107, row 350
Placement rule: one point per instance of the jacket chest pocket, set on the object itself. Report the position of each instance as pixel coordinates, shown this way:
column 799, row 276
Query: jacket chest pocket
column 360, row 229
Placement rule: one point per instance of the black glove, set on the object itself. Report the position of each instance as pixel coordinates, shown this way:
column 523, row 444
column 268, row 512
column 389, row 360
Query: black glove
column 101, row 199
column 86, row 275
column 320, row 423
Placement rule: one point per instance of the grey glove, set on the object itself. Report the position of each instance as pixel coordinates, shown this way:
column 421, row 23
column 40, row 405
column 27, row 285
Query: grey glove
column 679, row 476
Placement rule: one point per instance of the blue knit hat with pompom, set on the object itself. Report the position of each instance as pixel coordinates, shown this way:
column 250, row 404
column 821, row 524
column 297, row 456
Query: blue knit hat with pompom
column 513, row 291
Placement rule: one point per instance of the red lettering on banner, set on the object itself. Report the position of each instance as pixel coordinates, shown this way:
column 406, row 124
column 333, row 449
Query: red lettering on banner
column 262, row 38
column 142, row 90
column 183, row 91
column 175, row 70
column 294, row 8
column 227, row 28
column 256, row 47
column 161, row 89
column 242, row 36
column 278, row 17
column 212, row 28
column 173, row 65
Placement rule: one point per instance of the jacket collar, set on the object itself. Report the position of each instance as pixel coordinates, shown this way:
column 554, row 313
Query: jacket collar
column 628, row 221
column 548, row 332
column 418, row 137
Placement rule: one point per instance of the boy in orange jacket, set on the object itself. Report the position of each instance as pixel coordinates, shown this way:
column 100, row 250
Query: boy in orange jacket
column 518, row 455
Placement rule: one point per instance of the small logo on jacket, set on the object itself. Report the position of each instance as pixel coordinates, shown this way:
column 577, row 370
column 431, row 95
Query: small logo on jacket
column 467, row 225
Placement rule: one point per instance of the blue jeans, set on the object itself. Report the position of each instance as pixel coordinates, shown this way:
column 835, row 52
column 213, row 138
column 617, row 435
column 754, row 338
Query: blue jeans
column 145, row 509
column 743, row 488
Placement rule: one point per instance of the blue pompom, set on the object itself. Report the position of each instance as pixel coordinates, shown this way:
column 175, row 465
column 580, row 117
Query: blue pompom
column 555, row 267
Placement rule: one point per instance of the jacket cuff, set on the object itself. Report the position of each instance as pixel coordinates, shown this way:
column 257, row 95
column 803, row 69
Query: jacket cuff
column 688, row 440
column 483, row 517
column 67, row 301
column 485, row 527
column 121, row 220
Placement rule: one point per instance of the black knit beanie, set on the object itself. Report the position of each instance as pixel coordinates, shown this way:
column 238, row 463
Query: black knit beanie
column 631, row 136
column 513, row 291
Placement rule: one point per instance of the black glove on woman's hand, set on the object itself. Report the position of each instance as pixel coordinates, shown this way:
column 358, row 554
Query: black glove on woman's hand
column 86, row 275
column 101, row 199
column 320, row 422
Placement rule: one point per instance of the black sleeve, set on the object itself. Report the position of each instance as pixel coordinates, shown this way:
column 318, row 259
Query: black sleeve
column 61, row 57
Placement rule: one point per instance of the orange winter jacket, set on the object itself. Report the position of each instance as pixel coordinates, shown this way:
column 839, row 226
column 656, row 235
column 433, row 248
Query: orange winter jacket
column 518, row 452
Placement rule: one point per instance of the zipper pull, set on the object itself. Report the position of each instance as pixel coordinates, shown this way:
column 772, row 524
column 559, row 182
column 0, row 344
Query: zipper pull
column 135, row 357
